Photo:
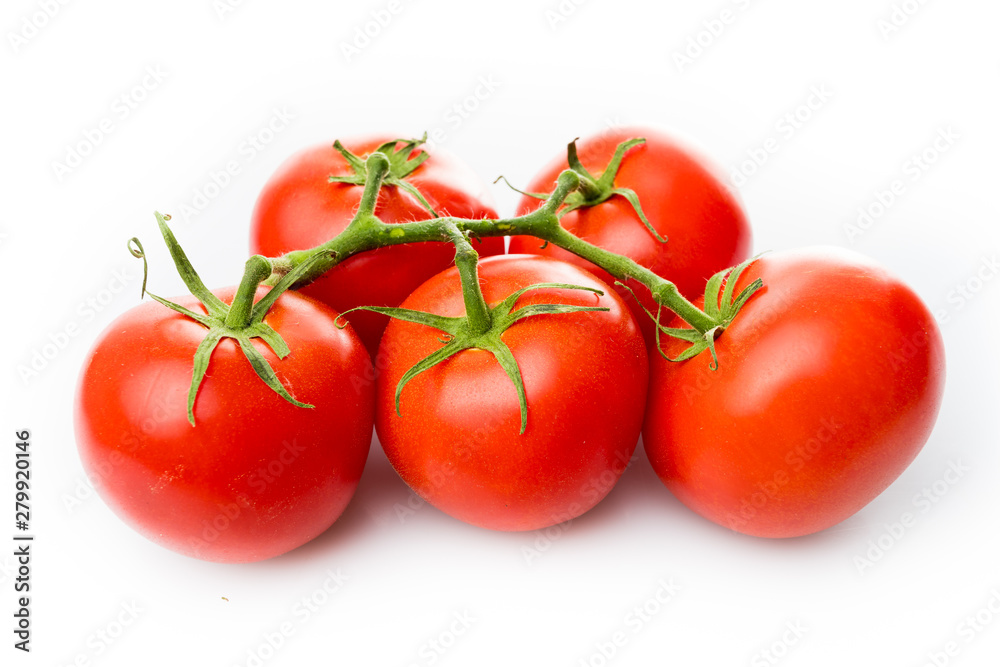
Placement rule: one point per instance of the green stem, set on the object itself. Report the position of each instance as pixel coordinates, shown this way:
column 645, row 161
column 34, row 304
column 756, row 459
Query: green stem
column 664, row 292
column 378, row 168
column 466, row 261
column 366, row 232
column 566, row 183
column 257, row 269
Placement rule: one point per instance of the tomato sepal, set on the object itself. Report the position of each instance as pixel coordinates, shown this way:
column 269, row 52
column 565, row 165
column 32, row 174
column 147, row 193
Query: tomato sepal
column 535, row 195
column 597, row 190
column 721, row 308
column 402, row 163
column 242, row 320
column 459, row 335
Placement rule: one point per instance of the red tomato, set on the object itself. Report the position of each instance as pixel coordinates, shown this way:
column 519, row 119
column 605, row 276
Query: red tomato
column 456, row 442
column 828, row 385
column 299, row 209
column 681, row 196
column 256, row 476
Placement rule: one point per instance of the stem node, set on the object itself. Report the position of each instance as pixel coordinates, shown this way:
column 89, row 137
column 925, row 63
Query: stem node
column 257, row 269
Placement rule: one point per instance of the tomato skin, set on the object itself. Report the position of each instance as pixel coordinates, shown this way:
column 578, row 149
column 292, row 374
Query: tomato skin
column 684, row 200
column 299, row 209
column 457, row 443
column 257, row 476
column 829, row 383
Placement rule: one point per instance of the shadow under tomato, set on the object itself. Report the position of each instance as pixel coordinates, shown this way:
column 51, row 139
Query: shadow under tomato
column 641, row 497
column 638, row 492
column 378, row 491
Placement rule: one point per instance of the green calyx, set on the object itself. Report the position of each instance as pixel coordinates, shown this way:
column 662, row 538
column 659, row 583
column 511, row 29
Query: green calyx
column 721, row 315
column 593, row 190
column 461, row 334
column 242, row 321
column 402, row 163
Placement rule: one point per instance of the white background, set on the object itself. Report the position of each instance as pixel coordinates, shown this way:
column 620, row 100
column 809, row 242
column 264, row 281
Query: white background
column 556, row 72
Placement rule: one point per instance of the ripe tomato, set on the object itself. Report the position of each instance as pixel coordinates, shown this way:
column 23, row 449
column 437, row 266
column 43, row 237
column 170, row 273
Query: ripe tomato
column 299, row 209
column 681, row 196
column 257, row 476
column 457, row 443
column 828, row 385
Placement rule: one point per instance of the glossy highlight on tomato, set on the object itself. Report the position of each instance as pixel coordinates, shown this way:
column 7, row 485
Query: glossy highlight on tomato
column 256, row 476
column 456, row 441
column 828, row 384
column 299, row 208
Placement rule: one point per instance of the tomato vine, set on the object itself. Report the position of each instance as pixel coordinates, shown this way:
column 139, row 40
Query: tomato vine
column 575, row 188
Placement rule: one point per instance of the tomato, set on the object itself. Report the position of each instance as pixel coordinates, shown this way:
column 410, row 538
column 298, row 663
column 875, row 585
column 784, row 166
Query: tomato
column 456, row 440
column 828, row 385
column 257, row 476
column 299, row 209
column 681, row 196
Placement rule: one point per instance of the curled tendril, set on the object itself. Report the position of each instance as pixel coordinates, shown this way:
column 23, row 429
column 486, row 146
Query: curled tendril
column 138, row 253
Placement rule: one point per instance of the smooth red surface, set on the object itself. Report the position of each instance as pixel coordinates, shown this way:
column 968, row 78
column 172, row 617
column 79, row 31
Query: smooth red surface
column 457, row 443
column 829, row 383
column 256, row 476
column 299, row 209
column 683, row 199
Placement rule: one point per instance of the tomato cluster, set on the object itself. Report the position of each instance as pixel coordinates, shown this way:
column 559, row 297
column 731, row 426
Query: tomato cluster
column 791, row 418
